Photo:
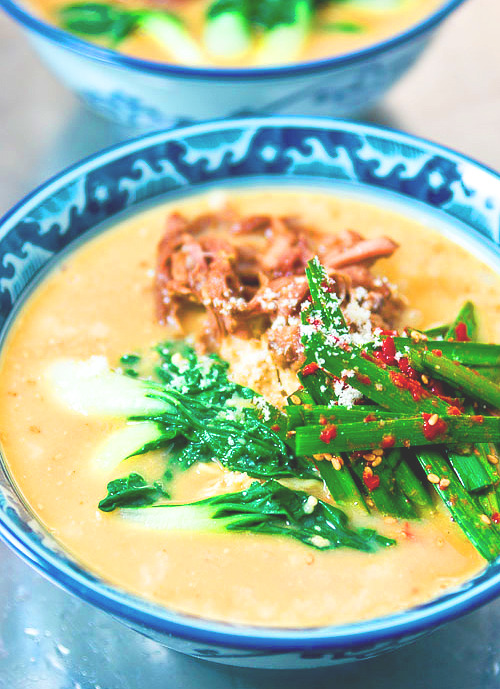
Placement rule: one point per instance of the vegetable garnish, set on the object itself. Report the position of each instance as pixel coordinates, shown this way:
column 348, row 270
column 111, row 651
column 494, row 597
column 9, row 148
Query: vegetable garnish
column 267, row 508
column 277, row 30
column 389, row 423
column 419, row 393
column 194, row 413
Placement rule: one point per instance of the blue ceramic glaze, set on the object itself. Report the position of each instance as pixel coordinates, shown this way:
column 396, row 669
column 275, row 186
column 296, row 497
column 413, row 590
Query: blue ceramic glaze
column 143, row 94
column 456, row 195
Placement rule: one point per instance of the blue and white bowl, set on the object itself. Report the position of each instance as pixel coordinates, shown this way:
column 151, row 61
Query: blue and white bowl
column 443, row 189
column 147, row 95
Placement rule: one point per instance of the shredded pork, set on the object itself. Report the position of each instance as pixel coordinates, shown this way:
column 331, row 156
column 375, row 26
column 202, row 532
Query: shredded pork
column 249, row 276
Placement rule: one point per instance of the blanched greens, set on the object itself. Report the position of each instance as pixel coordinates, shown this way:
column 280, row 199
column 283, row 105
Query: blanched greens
column 277, row 29
column 190, row 411
column 267, row 508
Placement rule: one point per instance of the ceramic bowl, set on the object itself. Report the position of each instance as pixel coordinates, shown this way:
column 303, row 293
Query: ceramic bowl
column 142, row 94
column 443, row 189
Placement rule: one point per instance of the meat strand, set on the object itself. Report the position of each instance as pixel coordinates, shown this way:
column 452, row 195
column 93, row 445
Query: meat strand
column 249, row 275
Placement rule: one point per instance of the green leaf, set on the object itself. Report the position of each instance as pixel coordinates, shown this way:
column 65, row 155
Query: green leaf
column 267, row 508
column 219, row 7
column 271, row 13
column 97, row 19
column 132, row 491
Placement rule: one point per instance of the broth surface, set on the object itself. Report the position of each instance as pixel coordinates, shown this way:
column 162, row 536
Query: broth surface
column 325, row 40
column 99, row 300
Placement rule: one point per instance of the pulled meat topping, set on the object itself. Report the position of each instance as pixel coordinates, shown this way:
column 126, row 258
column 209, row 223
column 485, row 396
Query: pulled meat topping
column 249, row 276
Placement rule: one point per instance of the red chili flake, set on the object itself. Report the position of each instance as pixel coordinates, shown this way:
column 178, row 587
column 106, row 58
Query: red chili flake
column 436, row 387
column 461, row 332
column 414, row 387
column 323, row 420
column 388, row 441
column 370, row 357
column 371, row 482
column 275, row 427
column 479, row 418
column 309, row 369
column 407, row 531
column 495, row 517
column 453, row 411
column 399, row 380
column 437, row 352
column 388, row 351
column 377, row 358
column 404, row 367
column 315, row 321
column 328, row 433
column 389, row 333
column 370, row 417
column 431, row 431
column 364, row 380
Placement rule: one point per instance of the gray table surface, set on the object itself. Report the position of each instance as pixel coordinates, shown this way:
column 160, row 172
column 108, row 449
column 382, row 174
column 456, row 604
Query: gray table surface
column 50, row 640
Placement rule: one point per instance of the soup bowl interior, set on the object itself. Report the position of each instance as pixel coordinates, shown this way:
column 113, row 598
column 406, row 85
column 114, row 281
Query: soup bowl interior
column 143, row 95
column 454, row 195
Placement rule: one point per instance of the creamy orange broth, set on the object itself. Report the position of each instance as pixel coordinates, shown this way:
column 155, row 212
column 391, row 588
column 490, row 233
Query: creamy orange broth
column 99, row 300
column 376, row 26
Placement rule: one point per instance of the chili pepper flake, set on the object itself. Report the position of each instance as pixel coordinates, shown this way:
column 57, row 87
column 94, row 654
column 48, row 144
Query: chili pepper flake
column 388, row 351
column 388, row 441
column 364, row 380
column 372, row 482
column 495, row 517
column 433, row 426
column 461, row 332
column 409, row 371
column 328, row 433
column 309, row 369
column 413, row 386
column 407, row 532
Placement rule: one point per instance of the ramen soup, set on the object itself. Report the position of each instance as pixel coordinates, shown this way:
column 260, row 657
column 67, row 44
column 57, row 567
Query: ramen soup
column 174, row 414
column 238, row 33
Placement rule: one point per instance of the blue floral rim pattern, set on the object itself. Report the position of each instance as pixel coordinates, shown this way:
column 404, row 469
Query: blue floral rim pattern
column 303, row 149
column 78, row 45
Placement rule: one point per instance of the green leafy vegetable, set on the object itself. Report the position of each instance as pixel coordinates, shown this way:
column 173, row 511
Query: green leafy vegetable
column 212, row 419
column 97, row 19
column 268, row 508
column 132, row 491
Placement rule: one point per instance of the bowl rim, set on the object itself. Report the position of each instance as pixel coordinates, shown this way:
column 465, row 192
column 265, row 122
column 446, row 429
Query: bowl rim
column 137, row 611
column 79, row 45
